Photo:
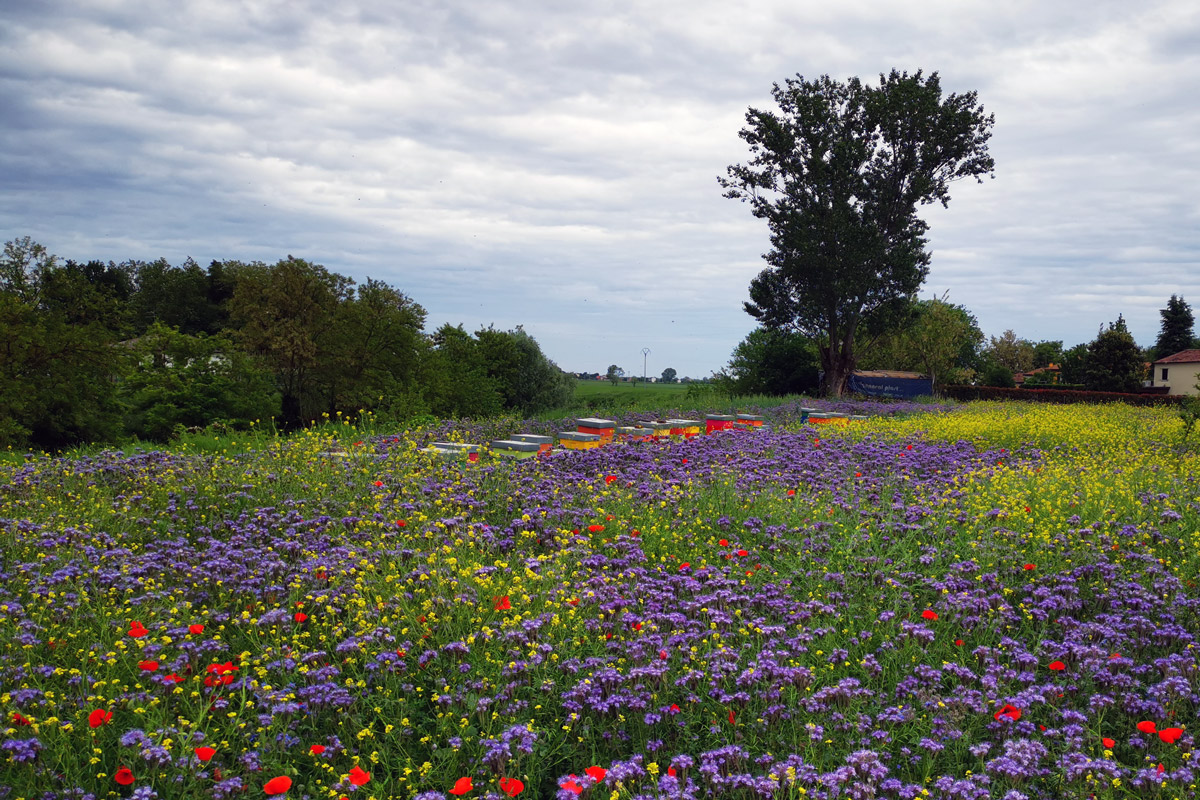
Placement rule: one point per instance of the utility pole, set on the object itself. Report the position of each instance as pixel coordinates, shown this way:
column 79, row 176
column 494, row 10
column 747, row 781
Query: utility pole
column 645, row 355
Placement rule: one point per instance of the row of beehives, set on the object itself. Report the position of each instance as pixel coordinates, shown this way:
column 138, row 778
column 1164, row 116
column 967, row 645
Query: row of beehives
column 591, row 432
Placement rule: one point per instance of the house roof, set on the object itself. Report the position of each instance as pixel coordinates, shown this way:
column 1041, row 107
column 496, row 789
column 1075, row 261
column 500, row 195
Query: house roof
column 1182, row 357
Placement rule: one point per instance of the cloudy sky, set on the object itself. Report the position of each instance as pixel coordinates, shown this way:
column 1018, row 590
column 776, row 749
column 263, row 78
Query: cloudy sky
column 555, row 164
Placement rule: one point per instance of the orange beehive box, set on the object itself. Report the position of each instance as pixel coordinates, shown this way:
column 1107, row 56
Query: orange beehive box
column 604, row 428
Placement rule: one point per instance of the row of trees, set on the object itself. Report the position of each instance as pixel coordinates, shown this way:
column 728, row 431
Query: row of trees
column 943, row 340
column 102, row 351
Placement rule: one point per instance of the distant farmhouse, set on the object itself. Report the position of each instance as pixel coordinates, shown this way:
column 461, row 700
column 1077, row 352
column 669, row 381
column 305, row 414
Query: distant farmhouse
column 1178, row 372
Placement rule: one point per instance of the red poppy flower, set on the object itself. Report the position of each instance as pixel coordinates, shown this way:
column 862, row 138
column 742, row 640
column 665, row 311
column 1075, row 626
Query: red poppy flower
column 98, row 717
column 1170, row 735
column 596, row 773
column 317, row 749
column 732, row 718
column 671, row 771
column 173, row 678
column 124, row 776
column 609, row 478
column 462, row 786
column 1010, row 711
column 511, row 786
column 358, row 776
column 572, row 787
column 196, row 629
column 858, row 474
column 19, row 719
column 1146, row 726
column 595, row 528
column 574, row 601
column 1160, row 769
column 791, row 492
column 205, row 753
column 674, row 709
column 400, row 523
column 929, row 613
column 1114, row 655
column 685, row 460
column 1057, row 666
column 137, row 630
column 684, row 565
column 1030, row 567
column 502, row 603
column 637, row 626
column 1026, row 509
column 743, row 552
column 300, row 616
column 958, row 642
column 278, row 785
column 908, row 447
column 662, row 655
column 1109, row 743
column 148, row 666
column 724, row 543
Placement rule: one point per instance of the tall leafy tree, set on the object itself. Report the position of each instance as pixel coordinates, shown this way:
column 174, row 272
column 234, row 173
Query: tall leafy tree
column 1014, row 353
column 942, row 341
column 285, row 314
column 1115, row 362
column 60, row 362
column 369, row 357
column 1176, row 333
column 838, row 174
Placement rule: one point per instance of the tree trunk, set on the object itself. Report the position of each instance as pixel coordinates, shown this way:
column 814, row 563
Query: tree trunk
column 838, row 363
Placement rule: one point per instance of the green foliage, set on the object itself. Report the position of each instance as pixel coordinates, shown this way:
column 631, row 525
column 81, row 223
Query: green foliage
column 770, row 362
column 1046, row 353
column 180, row 381
column 997, row 374
column 1176, row 333
column 1014, row 353
column 59, row 361
column 528, row 382
column 1115, row 362
column 941, row 340
column 669, row 375
column 1073, row 365
column 614, row 374
column 285, row 314
column 838, row 175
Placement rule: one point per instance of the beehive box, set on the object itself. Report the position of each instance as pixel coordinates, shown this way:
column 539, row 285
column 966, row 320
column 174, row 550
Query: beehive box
column 657, row 428
column 574, row 440
column 512, row 448
column 632, row 433
column 718, row 422
column 544, row 443
column 604, row 428
column 750, row 420
column 684, row 427
column 455, row 450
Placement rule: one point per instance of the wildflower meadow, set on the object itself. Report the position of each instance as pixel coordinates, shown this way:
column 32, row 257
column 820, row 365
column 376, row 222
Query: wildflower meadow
column 968, row 602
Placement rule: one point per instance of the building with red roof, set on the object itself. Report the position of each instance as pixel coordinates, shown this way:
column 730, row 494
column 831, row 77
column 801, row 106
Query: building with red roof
column 1179, row 372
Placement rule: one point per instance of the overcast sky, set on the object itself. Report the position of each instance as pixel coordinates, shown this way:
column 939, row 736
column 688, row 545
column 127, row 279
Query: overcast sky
column 555, row 164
